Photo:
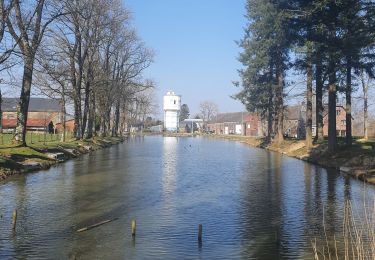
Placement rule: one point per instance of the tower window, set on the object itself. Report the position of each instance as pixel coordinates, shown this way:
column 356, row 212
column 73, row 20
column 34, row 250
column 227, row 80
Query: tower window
column 174, row 102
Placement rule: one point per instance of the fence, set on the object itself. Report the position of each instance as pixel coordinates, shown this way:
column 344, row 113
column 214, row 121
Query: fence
column 33, row 137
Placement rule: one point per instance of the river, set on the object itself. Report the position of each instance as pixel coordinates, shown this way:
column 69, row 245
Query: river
column 252, row 203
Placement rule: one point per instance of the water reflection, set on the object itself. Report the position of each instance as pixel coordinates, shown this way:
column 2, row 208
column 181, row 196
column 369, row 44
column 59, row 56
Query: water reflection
column 170, row 160
column 252, row 203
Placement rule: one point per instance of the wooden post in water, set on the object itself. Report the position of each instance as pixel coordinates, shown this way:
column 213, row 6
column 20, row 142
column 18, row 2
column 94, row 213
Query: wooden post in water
column 134, row 227
column 14, row 219
column 200, row 232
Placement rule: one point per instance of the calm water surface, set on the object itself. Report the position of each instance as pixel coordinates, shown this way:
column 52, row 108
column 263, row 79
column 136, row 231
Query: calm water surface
column 253, row 204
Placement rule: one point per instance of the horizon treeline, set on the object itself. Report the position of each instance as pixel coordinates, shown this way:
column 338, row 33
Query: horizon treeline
column 331, row 43
column 82, row 52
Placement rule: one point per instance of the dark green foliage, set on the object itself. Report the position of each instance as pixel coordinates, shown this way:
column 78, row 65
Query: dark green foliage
column 265, row 55
column 184, row 112
column 332, row 39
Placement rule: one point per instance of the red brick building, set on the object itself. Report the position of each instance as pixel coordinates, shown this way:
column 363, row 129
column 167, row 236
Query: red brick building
column 237, row 123
column 69, row 126
column 43, row 114
column 340, row 121
column 31, row 124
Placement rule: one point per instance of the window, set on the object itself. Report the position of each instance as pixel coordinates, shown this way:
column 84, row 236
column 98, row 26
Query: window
column 338, row 112
column 174, row 102
column 343, row 122
column 248, row 126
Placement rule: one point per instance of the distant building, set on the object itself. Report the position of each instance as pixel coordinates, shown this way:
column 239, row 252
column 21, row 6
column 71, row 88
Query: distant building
column 156, row 129
column 190, row 125
column 237, row 123
column 295, row 121
column 340, row 121
column 69, row 125
column 171, row 107
column 43, row 114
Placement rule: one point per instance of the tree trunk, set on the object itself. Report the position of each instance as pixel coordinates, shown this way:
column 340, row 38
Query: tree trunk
column 309, row 94
column 108, row 121
column 86, row 107
column 23, row 105
column 76, row 98
column 365, row 106
column 63, row 119
column 91, row 118
column 348, row 96
column 77, row 114
column 117, row 119
column 279, row 106
column 270, row 107
column 319, row 135
column 332, row 93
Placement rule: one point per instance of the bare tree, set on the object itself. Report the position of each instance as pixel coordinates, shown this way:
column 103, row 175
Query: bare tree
column 6, row 48
column 208, row 110
column 52, row 78
column 27, row 25
column 95, row 59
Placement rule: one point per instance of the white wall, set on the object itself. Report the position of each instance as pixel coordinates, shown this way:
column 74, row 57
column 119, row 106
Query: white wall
column 171, row 102
column 171, row 106
column 171, row 120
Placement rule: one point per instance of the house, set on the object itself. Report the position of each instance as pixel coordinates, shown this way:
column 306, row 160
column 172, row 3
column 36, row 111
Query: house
column 39, row 108
column 31, row 125
column 43, row 114
column 69, row 126
column 295, row 121
column 238, row 123
column 340, row 121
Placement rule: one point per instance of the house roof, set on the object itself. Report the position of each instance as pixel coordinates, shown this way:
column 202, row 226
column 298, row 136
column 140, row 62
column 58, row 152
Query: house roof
column 35, row 105
column 232, row 117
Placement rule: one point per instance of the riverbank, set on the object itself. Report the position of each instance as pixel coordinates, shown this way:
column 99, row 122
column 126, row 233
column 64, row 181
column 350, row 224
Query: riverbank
column 41, row 156
column 357, row 161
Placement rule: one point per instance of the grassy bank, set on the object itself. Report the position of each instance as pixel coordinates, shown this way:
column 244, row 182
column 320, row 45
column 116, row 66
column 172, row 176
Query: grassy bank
column 40, row 153
column 357, row 160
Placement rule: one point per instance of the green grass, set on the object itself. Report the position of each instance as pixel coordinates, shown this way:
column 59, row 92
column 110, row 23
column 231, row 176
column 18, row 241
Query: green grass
column 12, row 154
column 32, row 138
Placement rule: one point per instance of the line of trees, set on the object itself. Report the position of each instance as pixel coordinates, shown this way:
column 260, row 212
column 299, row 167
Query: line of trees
column 83, row 52
column 330, row 42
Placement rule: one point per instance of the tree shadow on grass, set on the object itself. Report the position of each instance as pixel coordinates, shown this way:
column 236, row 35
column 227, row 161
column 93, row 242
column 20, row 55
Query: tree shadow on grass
column 31, row 155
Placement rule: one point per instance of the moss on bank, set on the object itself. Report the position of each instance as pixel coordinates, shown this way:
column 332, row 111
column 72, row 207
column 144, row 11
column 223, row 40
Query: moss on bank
column 17, row 159
column 357, row 160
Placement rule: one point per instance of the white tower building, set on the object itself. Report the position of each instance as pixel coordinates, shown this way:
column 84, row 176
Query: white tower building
column 171, row 106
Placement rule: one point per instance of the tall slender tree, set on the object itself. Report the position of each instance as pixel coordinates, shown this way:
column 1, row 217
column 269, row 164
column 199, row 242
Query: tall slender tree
column 27, row 25
column 265, row 52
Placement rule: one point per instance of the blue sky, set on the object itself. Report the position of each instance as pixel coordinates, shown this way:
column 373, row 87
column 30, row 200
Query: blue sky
column 194, row 42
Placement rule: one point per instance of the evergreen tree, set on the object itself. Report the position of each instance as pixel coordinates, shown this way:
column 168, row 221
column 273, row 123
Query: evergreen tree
column 265, row 54
column 356, row 22
column 184, row 112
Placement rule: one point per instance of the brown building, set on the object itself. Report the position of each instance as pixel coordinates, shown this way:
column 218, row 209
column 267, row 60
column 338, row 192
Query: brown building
column 294, row 121
column 238, row 123
column 69, row 126
column 43, row 113
column 340, row 121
